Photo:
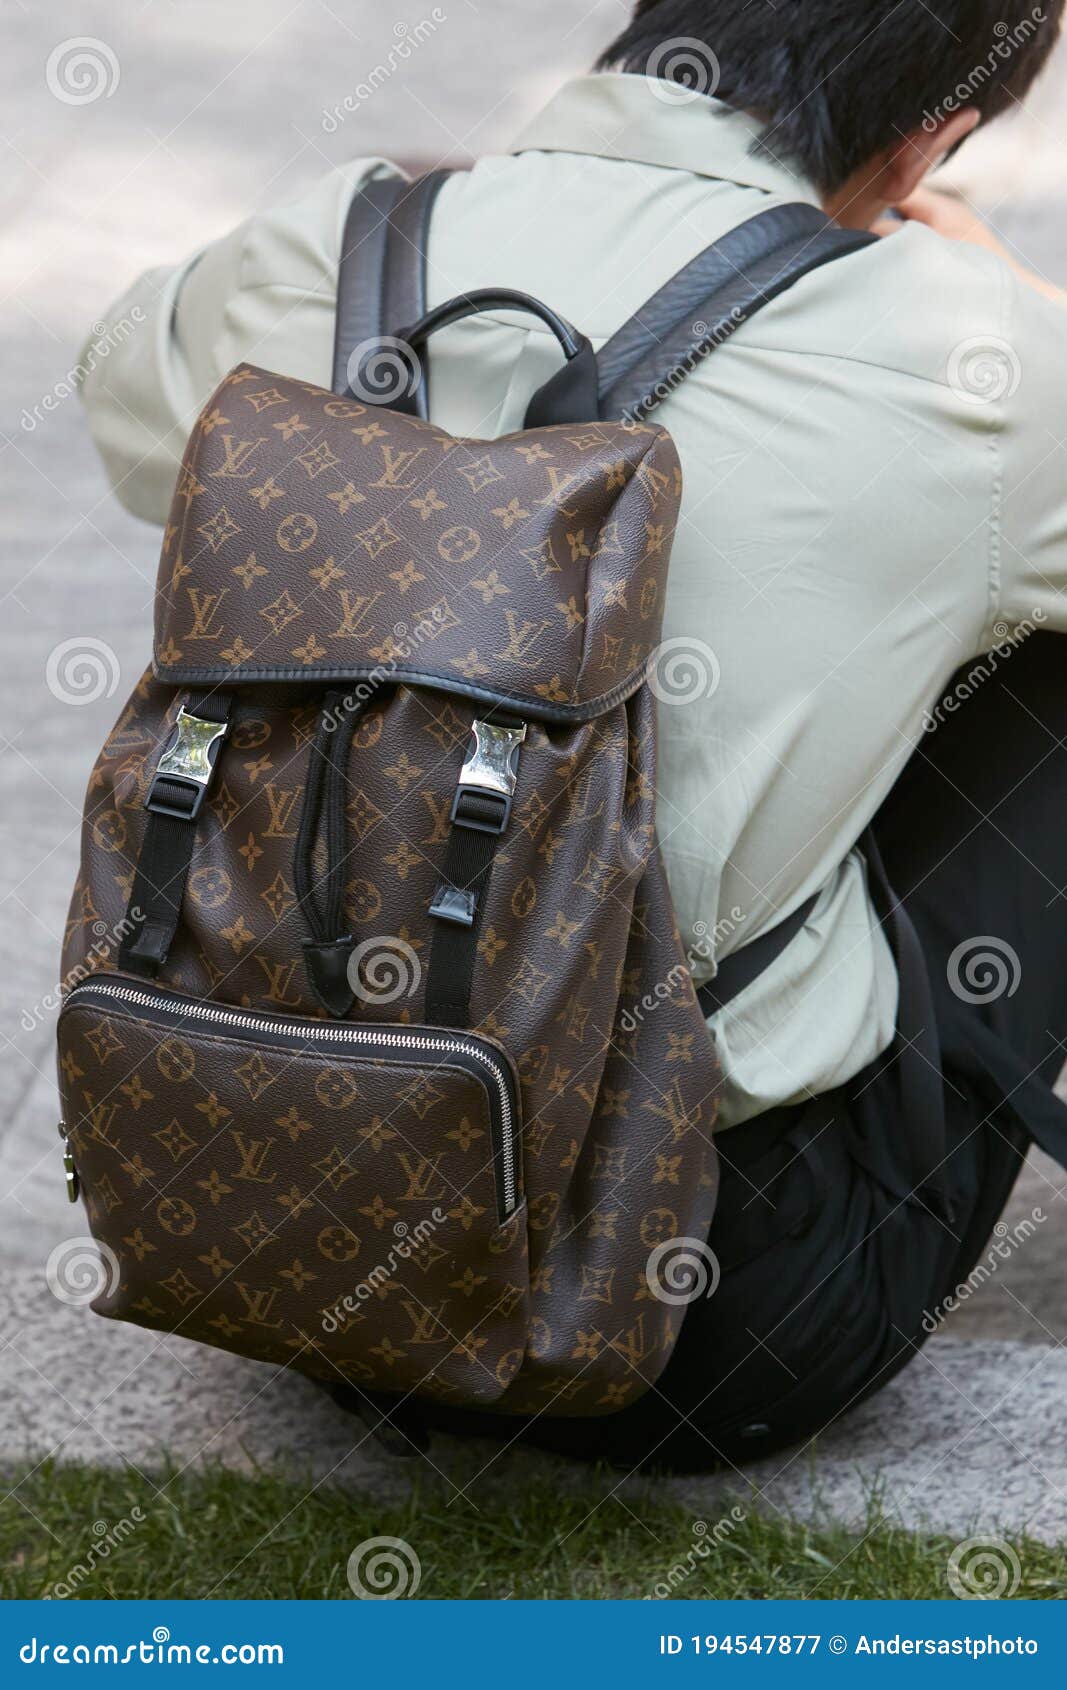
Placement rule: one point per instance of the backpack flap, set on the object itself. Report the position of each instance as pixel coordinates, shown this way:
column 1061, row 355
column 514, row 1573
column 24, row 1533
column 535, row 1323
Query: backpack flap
column 314, row 539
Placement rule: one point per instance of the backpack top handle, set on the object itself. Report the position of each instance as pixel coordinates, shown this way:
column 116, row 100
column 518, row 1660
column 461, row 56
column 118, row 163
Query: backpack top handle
column 574, row 389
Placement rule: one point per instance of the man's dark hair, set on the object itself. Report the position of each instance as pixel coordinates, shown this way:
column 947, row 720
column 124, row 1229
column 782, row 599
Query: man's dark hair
column 837, row 82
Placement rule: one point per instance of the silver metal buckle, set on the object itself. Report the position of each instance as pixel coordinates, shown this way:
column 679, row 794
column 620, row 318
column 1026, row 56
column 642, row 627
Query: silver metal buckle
column 71, row 1172
column 189, row 758
column 490, row 770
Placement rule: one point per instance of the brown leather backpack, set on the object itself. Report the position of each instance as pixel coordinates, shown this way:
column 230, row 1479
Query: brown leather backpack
column 398, row 1076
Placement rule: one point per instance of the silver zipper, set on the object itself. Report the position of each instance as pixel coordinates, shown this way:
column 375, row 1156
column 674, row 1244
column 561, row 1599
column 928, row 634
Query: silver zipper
column 311, row 1030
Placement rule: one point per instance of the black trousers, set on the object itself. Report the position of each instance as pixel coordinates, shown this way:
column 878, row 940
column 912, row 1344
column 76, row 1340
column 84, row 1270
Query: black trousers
column 840, row 1226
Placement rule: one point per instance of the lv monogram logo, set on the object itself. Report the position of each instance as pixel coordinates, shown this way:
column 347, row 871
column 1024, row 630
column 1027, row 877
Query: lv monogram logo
column 524, row 636
column 425, row 1184
column 238, row 454
column 280, row 976
column 205, row 624
column 397, row 464
column 427, row 1326
column 259, row 1304
column 253, row 1153
column 355, row 609
column 281, row 802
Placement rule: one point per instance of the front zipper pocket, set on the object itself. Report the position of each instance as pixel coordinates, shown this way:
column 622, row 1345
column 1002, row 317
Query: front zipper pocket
column 343, row 1199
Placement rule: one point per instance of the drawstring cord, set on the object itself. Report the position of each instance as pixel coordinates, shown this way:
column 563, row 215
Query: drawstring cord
column 321, row 898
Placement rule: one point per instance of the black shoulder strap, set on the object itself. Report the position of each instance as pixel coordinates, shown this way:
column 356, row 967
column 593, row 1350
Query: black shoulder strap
column 381, row 282
column 711, row 298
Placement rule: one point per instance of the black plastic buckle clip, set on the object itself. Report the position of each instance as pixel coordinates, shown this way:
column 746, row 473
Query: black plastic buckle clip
column 186, row 767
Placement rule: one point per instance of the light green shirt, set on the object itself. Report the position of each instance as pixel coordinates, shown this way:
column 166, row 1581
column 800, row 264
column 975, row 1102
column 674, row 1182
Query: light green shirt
column 875, row 491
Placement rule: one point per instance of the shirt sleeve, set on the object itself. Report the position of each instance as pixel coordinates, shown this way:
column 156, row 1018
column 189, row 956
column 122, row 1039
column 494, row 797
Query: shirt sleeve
column 1029, row 565
column 265, row 294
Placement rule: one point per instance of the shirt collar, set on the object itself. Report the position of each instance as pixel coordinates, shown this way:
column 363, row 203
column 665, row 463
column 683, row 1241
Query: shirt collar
column 645, row 120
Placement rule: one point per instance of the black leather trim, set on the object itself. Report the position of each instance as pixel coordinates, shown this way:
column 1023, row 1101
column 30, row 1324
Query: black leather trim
column 526, row 707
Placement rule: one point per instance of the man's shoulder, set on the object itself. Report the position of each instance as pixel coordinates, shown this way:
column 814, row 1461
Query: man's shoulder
column 912, row 303
column 296, row 243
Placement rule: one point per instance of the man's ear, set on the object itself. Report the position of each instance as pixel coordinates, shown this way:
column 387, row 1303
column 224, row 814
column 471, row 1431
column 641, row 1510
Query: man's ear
column 926, row 147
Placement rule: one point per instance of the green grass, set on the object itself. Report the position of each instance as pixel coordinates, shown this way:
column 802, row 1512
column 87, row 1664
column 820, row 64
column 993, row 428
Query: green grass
column 215, row 1533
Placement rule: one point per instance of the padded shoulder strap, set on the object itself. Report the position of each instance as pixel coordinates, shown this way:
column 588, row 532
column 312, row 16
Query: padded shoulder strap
column 381, row 283
column 710, row 299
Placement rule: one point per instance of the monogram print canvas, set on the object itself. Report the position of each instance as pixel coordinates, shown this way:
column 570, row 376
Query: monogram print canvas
column 355, row 1195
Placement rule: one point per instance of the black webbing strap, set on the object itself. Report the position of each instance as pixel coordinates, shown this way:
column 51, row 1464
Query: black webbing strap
column 913, row 1062
column 744, row 965
column 173, row 803
column 458, row 907
column 481, row 811
column 381, row 283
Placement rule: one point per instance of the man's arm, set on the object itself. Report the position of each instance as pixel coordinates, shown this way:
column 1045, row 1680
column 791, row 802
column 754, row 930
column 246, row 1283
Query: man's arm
column 264, row 293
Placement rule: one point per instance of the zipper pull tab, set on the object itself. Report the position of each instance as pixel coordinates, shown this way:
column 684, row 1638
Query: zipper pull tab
column 73, row 1182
